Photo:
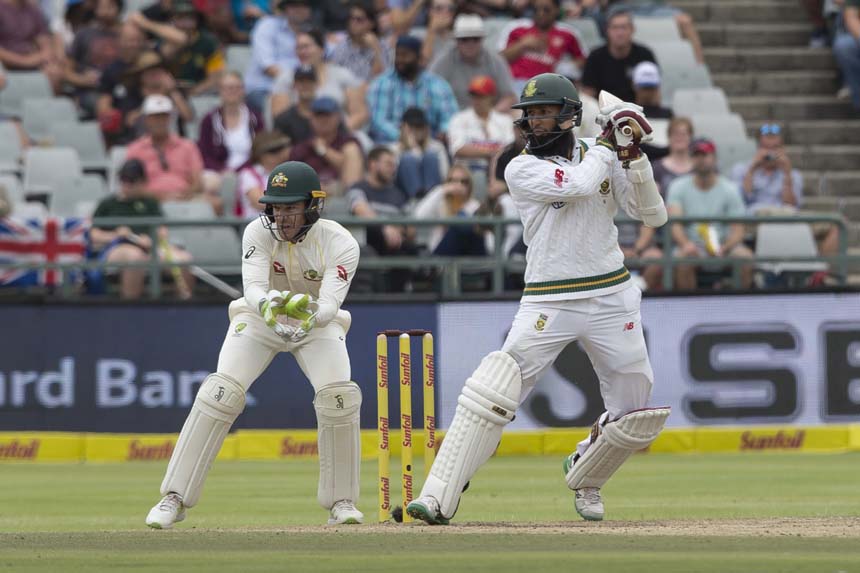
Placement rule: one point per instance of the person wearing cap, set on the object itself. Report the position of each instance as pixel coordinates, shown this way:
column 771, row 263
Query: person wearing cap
column 706, row 193
column 196, row 64
column 156, row 79
column 362, row 51
column 273, row 48
column 536, row 47
column 477, row 133
column 227, row 132
column 131, row 244
column 422, row 161
column 408, row 85
column 93, row 49
column 269, row 150
column 174, row 166
column 646, row 86
column 333, row 81
column 772, row 186
column 295, row 121
column 332, row 151
column 610, row 67
column 469, row 58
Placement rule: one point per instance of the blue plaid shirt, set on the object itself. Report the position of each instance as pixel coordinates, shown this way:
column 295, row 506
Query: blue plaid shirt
column 389, row 96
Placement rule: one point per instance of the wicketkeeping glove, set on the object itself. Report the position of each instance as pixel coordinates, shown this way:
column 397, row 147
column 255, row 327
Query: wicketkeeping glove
column 296, row 306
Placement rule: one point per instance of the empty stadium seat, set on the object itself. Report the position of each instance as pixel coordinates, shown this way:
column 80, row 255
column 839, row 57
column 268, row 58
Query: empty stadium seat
column 32, row 210
column 50, row 168
column 210, row 246
column 731, row 152
column 238, row 57
column 229, row 184
column 41, row 114
column 86, row 138
column 720, row 127
column 188, row 210
column 677, row 77
column 787, row 240
column 10, row 148
column 689, row 102
column 648, row 30
column 14, row 191
column 587, row 31
column 86, row 188
column 21, row 86
column 115, row 160
column 673, row 54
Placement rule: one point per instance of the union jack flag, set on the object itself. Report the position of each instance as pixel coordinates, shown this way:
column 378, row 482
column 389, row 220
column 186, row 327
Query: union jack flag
column 50, row 240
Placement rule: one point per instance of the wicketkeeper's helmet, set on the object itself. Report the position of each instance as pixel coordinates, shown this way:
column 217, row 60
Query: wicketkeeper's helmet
column 293, row 182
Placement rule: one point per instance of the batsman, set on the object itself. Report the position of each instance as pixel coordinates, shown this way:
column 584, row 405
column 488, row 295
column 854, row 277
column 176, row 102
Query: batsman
column 296, row 271
column 567, row 191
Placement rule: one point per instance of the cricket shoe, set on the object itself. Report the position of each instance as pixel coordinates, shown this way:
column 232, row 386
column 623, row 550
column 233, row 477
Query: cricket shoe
column 345, row 512
column 166, row 512
column 426, row 508
column 587, row 501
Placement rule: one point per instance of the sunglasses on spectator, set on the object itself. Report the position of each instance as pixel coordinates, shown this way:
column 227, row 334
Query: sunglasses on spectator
column 770, row 129
column 464, row 40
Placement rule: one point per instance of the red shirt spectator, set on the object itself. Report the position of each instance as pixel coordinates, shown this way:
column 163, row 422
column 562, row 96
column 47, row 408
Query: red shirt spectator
column 173, row 164
column 536, row 47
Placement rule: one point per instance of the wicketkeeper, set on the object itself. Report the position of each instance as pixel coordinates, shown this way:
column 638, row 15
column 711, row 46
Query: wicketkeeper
column 567, row 192
column 296, row 270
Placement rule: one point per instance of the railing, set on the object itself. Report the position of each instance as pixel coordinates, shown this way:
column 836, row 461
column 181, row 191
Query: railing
column 497, row 263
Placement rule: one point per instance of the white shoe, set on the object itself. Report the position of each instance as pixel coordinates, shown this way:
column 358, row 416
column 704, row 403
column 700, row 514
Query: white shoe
column 345, row 512
column 426, row 508
column 166, row 512
column 588, row 503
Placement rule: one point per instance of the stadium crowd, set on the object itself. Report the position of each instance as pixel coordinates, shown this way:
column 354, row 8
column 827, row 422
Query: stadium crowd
column 403, row 108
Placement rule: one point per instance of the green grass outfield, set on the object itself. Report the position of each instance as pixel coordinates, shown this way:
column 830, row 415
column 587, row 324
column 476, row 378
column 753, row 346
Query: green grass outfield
column 665, row 513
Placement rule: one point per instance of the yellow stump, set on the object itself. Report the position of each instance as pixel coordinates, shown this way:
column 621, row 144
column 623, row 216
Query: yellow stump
column 384, row 448
column 406, row 421
column 429, row 403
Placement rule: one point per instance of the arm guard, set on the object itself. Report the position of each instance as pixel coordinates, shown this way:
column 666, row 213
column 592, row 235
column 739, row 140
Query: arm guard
column 651, row 207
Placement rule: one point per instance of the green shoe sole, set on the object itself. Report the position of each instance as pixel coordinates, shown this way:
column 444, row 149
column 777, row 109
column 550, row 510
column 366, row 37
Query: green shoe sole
column 418, row 511
column 568, row 463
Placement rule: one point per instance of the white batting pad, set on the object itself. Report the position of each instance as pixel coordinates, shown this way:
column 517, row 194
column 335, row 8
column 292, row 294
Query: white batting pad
column 219, row 402
column 614, row 444
column 487, row 403
column 338, row 408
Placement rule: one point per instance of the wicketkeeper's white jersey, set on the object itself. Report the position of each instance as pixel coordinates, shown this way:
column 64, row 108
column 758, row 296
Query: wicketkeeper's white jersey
column 567, row 209
column 321, row 265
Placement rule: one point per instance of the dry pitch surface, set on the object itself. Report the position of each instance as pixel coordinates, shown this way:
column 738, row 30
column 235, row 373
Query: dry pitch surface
column 710, row 514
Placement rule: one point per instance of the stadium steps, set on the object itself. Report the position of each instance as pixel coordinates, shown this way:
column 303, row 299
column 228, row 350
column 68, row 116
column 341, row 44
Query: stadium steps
column 743, row 35
column 847, row 206
column 815, row 131
column 726, row 59
column 813, row 82
column 843, row 183
column 752, row 11
column 788, row 108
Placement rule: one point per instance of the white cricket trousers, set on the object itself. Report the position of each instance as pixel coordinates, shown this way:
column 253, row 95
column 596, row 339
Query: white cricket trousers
column 609, row 327
column 248, row 350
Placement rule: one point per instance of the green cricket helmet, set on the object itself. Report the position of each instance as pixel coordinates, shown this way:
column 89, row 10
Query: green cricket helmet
column 548, row 89
column 288, row 183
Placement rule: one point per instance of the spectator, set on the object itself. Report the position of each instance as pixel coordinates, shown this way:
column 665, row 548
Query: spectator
column 679, row 161
column 332, row 15
column 846, row 49
column 820, row 37
column 771, row 185
column 227, row 132
column 376, row 196
column 421, row 160
column 295, row 122
column 406, row 14
column 452, row 199
column 333, row 81
column 156, row 80
column 537, row 47
column 155, row 21
column 439, row 36
column 333, row 153
column 479, row 132
column 610, row 66
column 362, row 51
column 273, row 48
column 659, row 9
column 706, row 193
column 26, row 43
column 134, row 244
column 246, row 13
column 646, row 86
column 469, row 58
column 93, row 49
column 78, row 14
column 174, row 167
column 408, row 85
column 119, row 87
column 198, row 62
column 269, row 150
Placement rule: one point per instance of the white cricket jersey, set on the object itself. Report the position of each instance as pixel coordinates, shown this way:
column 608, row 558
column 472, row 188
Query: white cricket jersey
column 567, row 209
column 322, row 265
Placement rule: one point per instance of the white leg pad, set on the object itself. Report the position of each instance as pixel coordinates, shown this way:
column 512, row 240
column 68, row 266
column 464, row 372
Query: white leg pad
column 219, row 402
column 338, row 409
column 615, row 442
column 486, row 404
